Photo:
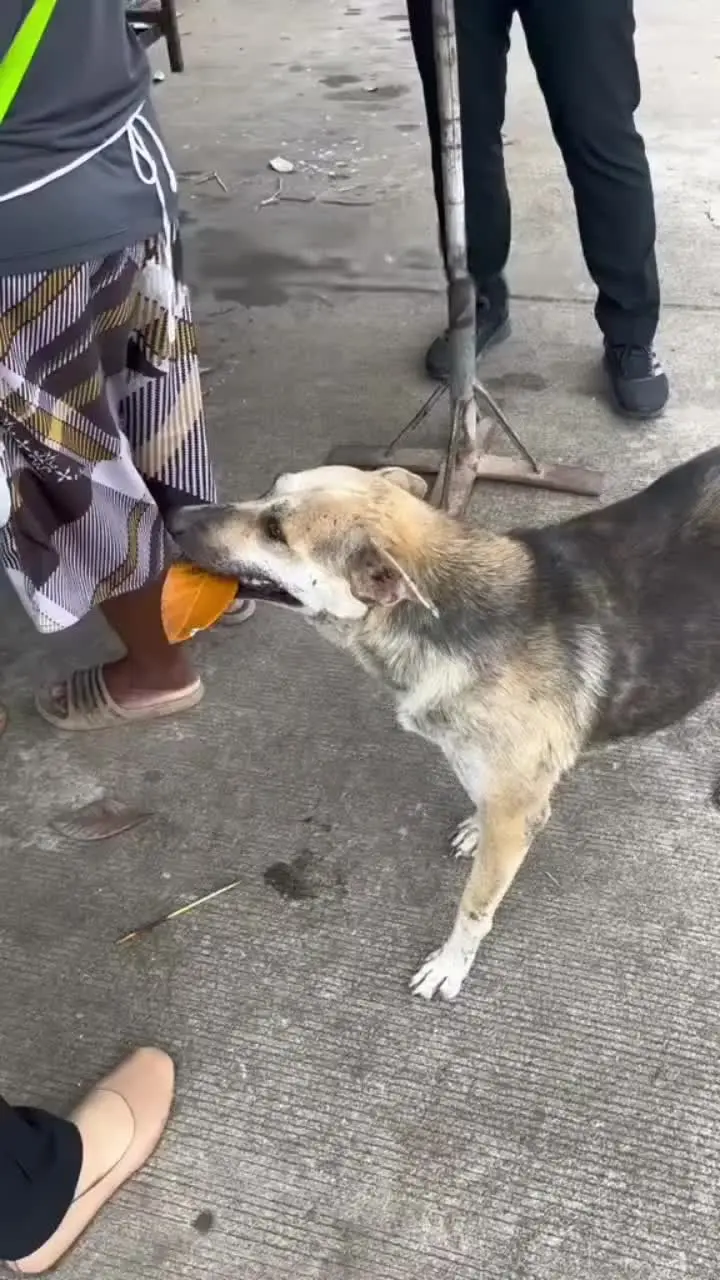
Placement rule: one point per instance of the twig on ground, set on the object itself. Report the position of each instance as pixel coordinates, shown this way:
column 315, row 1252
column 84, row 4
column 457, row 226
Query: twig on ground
column 275, row 197
column 174, row 915
column 200, row 178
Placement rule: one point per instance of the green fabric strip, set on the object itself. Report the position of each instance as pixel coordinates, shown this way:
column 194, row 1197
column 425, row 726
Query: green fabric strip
column 15, row 64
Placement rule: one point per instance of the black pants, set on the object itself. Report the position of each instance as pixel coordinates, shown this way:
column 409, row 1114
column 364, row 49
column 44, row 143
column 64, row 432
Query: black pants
column 584, row 56
column 40, row 1159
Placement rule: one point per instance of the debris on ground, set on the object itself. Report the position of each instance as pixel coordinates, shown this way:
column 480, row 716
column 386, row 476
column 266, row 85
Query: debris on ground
column 145, row 929
column 99, row 820
column 199, row 179
column 280, row 165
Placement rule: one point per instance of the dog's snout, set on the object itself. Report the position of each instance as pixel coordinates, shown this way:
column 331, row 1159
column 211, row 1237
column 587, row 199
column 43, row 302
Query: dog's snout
column 201, row 535
column 184, row 520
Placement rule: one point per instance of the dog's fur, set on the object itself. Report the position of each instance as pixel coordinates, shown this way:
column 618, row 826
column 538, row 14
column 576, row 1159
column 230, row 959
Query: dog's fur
column 512, row 653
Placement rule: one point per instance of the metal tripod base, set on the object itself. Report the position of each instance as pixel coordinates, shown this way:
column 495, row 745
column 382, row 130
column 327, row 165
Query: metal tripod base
column 556, row 477
column 462, row 462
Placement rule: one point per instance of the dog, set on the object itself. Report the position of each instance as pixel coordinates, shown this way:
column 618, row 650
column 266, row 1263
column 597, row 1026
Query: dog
column 512, row 653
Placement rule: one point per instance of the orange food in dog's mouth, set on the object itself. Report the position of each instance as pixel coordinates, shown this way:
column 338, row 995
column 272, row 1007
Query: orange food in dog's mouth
column 192, row 600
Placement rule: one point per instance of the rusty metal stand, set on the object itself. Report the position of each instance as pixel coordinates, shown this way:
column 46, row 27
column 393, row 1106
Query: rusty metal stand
column 463, row 461
column 158, row 21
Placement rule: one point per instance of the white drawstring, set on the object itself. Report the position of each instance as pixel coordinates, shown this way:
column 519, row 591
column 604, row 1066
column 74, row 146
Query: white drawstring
column 145, row 166
column 140, row 153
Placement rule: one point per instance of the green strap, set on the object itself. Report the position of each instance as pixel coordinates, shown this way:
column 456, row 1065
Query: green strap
column 15, row 64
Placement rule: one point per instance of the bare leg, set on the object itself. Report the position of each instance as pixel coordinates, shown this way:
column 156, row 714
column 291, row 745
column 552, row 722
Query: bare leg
column 513, row 816
column 151, row 666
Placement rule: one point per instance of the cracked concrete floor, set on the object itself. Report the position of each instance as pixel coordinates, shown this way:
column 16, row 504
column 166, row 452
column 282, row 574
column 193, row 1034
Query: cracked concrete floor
column 561, row 1121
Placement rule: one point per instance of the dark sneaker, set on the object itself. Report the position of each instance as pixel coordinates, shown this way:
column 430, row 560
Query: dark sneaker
column 638, row 382
column 493, row 326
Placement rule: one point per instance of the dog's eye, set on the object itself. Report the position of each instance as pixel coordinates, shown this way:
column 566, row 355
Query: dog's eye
column 273, row 530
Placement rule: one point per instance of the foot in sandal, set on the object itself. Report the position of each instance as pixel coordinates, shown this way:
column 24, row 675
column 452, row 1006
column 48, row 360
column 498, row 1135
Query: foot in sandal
column 120, row 692
column 120, row 1123
column 154, row 680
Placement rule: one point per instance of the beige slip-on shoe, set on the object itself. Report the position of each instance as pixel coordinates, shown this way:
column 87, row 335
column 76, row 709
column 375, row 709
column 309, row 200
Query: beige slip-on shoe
column 121, row 1123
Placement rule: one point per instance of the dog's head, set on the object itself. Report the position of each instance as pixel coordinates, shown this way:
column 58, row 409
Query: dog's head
column 333, row 542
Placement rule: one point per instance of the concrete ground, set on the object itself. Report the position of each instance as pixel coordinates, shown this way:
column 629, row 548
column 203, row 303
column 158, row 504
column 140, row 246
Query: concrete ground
column 560, row 1122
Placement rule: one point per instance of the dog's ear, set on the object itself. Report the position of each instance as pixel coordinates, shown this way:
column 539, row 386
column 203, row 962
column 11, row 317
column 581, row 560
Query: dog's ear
column 406, row 480
column 376, row 578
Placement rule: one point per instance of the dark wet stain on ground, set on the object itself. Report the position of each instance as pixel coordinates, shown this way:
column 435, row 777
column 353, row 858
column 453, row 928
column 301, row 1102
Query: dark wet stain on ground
column 296, row 66
column 418, row 260
column 305, row 877
column 407, row 128
column 311, row 820
column 394, row 17
column 204, row 1223
column 238, row 271
column 381, row 93
column 353, row 13
column 516, row 380
column 339, row 81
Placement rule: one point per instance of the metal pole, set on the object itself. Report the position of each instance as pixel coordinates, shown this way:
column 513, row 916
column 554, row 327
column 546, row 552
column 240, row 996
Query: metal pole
column 455, row 482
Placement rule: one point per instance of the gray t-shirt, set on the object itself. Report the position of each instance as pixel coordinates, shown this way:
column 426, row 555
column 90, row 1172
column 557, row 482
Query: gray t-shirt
column 88, row 77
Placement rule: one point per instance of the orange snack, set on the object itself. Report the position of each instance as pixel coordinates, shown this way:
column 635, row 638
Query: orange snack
column 193, row 600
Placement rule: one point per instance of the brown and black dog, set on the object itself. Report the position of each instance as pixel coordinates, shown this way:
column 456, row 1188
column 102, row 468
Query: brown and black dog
column 512, row 653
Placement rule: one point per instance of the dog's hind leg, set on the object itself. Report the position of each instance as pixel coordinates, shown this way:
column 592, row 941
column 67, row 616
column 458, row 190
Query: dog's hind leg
column 513, row 813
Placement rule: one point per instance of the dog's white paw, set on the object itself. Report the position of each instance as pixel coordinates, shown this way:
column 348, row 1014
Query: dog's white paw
column 442, row 974
column 466, row 839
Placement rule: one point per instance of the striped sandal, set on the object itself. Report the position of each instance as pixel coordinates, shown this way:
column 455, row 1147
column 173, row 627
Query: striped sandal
column 82, row 703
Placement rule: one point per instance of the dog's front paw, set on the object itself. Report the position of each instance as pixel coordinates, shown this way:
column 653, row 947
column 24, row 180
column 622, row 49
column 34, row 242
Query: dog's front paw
column 466, row 838
column 442, row 974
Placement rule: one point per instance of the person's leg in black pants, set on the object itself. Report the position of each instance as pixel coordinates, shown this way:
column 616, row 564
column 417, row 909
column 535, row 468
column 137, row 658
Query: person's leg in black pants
column 40, row 1161
column 584, row 57
column 483, row 28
